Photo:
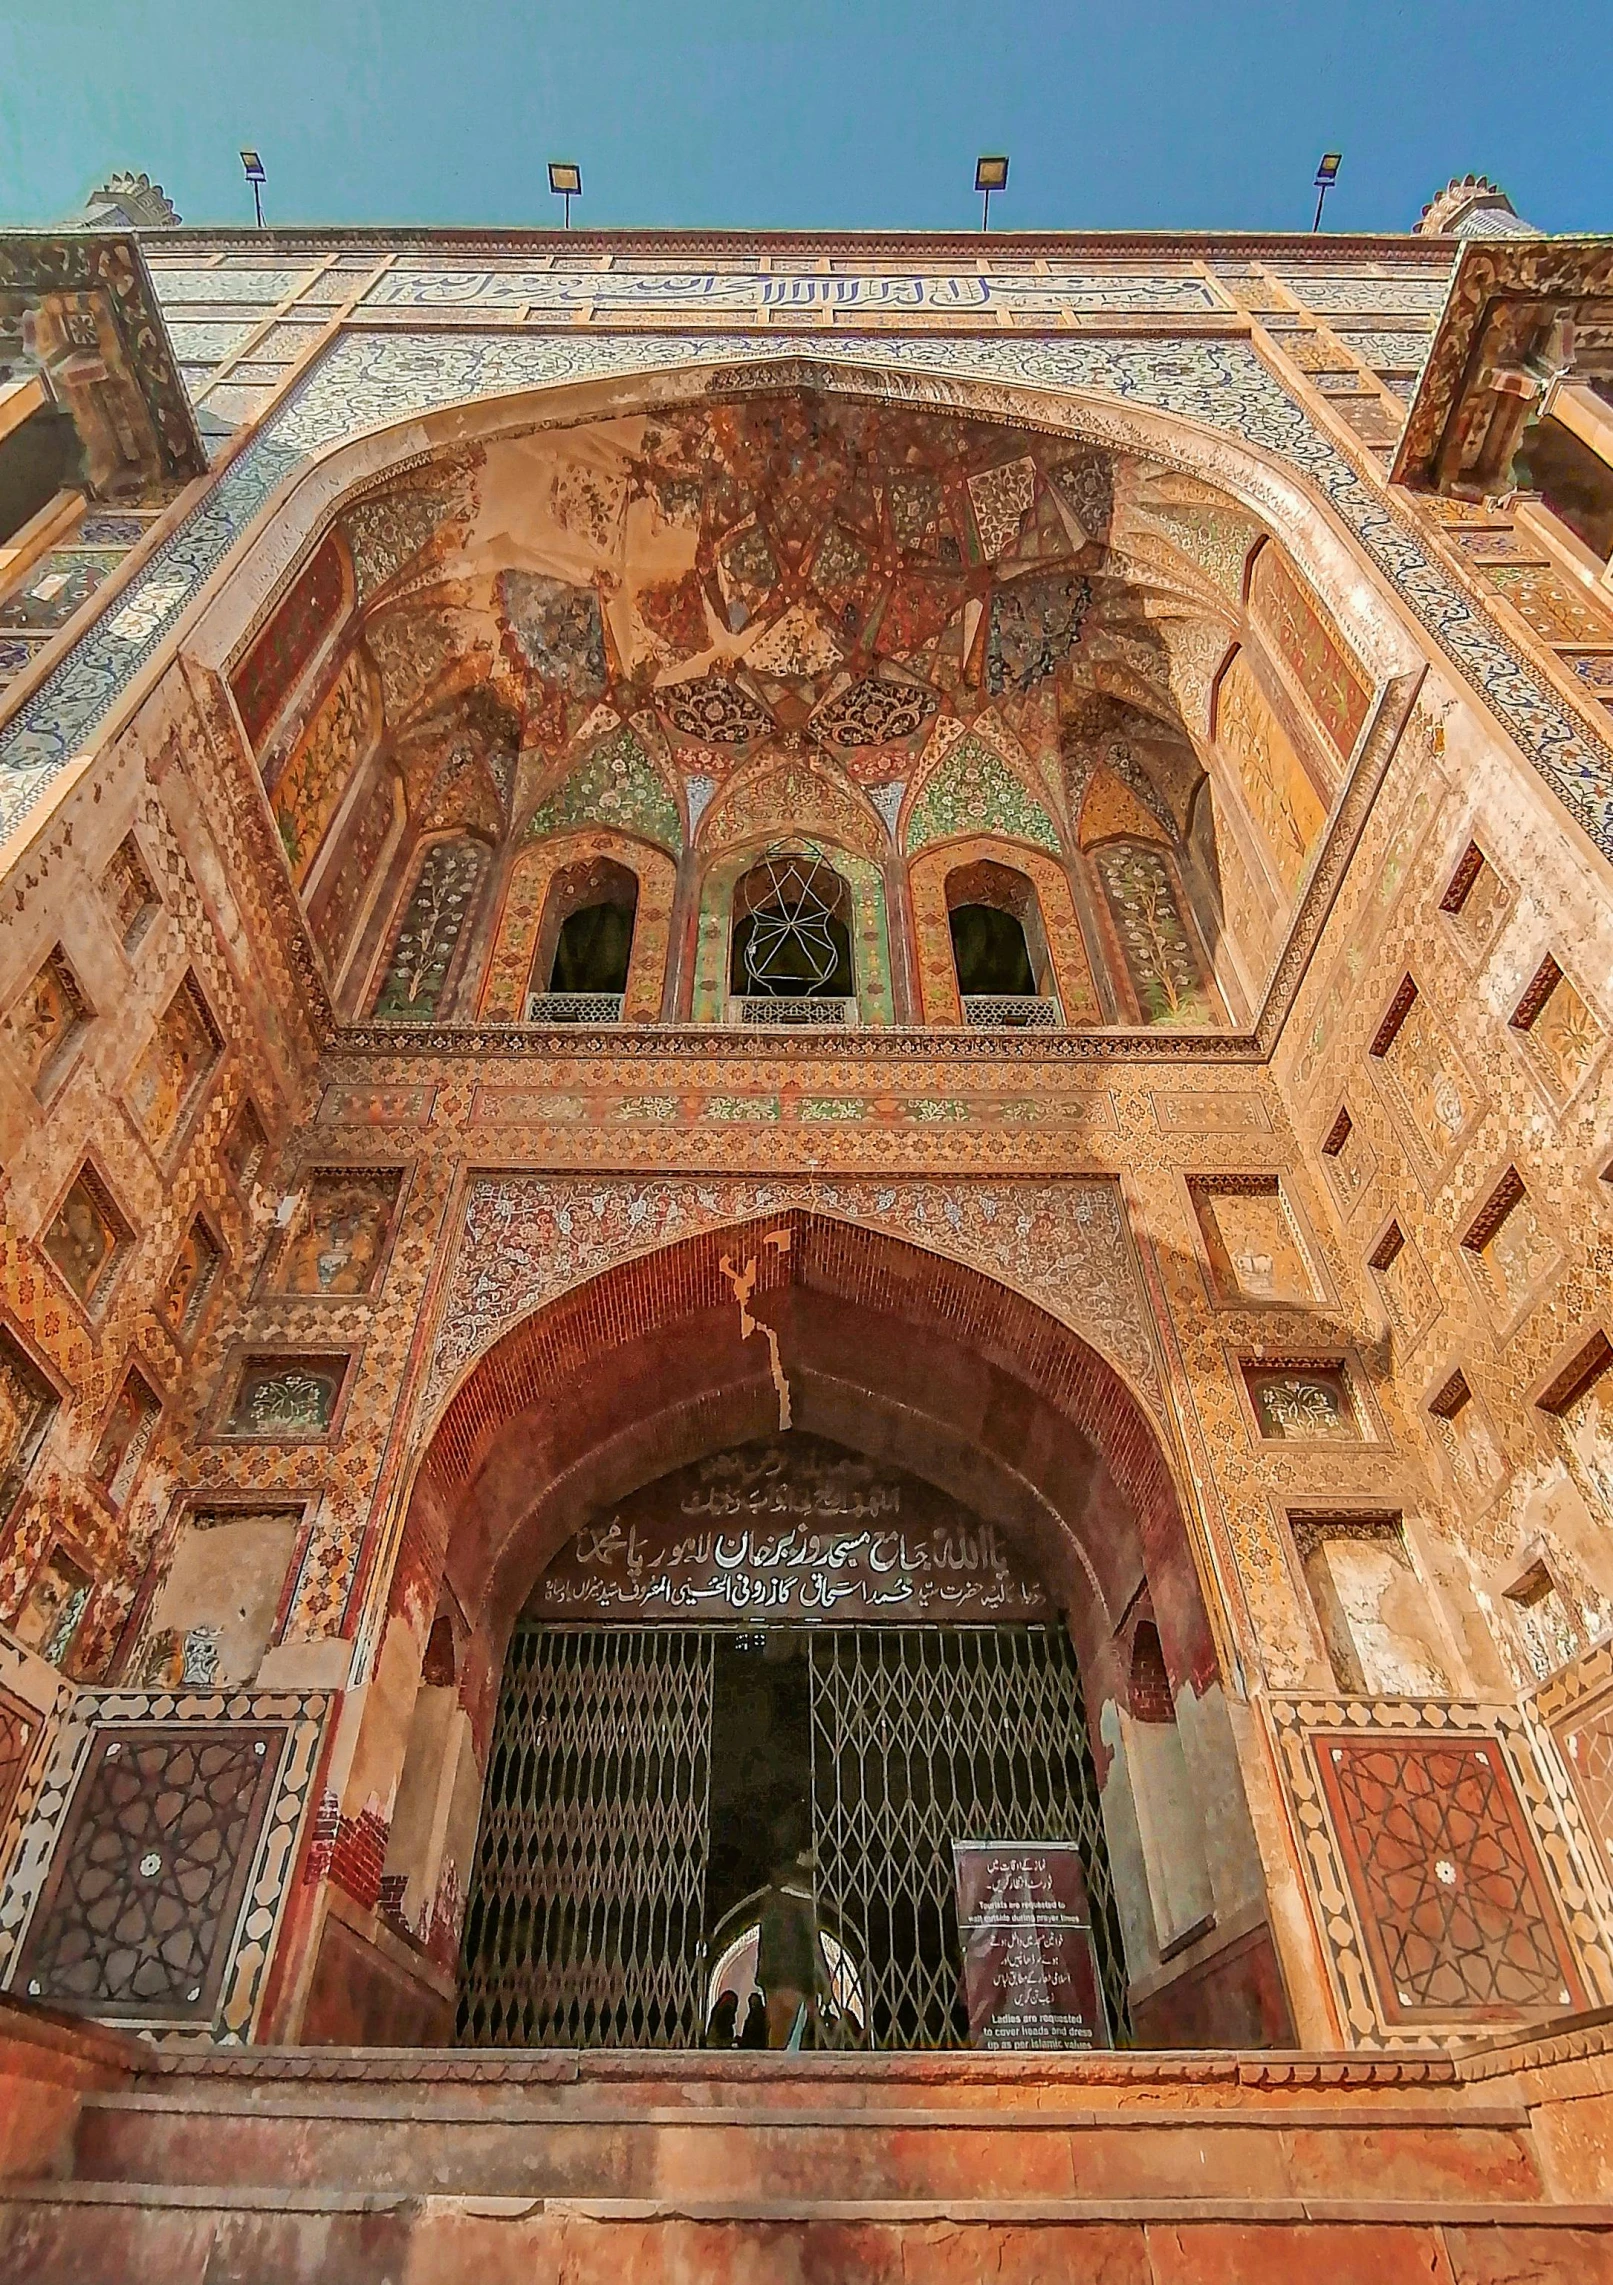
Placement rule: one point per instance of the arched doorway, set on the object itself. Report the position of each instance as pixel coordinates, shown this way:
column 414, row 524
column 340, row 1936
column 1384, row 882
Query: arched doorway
column 928, row 1372
column 782, row 1670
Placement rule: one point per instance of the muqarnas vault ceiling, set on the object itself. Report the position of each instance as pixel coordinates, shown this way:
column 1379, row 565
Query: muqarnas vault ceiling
column 786, row 613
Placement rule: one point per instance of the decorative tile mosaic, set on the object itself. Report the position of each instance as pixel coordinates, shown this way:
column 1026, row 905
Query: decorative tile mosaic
column 974, row 791
column 421, row 961
column 43, row 1025
column 211, row 1830
column 174, row 1066
column 616, row 784
column 745, row 292
column 334, row 745
column 339, row 1236
column 1446, row 1882
column 88, row 1238
column 525, row 1239
column 27, row 1406
column 286, row 1399
column 53, row 589
column 365, row 381
column 265, row 678
column 1449, row 1889
column 1156, row 945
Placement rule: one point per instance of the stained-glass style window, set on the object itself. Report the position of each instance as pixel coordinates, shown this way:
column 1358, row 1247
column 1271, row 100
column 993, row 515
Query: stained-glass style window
column 434, row 920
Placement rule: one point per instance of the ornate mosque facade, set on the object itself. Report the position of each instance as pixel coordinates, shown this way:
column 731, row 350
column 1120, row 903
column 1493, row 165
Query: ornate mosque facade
column 852, row 990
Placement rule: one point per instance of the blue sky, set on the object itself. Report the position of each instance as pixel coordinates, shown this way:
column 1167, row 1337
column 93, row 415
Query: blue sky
column 1141, row 114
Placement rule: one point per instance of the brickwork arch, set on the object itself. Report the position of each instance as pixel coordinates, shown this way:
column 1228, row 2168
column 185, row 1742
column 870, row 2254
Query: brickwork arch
column 918, row 1361
column 906, row 1352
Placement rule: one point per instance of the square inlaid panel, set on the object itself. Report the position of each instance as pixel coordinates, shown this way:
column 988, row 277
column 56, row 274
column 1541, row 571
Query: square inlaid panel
column 1454, row 1909
column 150, row 1871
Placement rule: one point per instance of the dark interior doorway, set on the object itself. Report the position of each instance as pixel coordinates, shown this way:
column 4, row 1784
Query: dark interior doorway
column 761, row 1762
column 990, row 951
column 593, row 950
column 646, row 1784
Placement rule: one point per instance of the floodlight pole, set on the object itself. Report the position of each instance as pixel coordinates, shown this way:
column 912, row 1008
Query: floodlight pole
column 985, row 210
column 1327, row 174
column 566, row 195
column 257, row 200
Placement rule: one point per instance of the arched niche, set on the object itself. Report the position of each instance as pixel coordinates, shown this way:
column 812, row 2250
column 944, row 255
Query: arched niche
column 1307, row 608
column 999, row 946
column 584, row 947
column 1030, row 883
column 790, row 930
column 519, row 954
column 1158, row 959
column 422, row 965
column 862, row 914
column 894, row 1353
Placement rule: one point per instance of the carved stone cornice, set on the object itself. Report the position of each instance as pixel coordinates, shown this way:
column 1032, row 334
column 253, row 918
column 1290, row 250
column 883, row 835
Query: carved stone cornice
column 1504, row 296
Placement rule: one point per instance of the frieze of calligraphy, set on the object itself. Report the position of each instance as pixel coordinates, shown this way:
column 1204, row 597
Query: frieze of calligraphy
column 788, row 1531
column 960, row 293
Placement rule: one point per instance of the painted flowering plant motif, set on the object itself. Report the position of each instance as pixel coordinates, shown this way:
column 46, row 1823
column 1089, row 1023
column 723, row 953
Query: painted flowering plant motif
column 423, row 953
column 1159, row 953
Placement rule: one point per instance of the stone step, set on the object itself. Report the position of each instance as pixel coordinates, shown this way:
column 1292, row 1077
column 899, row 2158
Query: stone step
column 86, row 2233
column 432, row 2144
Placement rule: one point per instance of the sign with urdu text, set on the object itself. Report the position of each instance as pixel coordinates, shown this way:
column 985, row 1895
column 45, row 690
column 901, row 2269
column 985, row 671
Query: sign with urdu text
column 789, row 1531
column 1030, row 1973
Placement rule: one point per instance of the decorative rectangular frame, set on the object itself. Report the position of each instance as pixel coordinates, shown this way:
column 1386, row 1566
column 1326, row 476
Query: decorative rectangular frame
column 91, row 1715
column 243, row 1353
column 267, row 1286
column 1580, row 1890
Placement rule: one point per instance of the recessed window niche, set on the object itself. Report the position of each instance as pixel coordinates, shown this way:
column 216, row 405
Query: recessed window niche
column 1376, row 1622
column 1253, row 1239
column 1304, row 1401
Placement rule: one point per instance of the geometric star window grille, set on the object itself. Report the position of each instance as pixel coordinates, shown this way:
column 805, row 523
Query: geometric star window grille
column 791, row 950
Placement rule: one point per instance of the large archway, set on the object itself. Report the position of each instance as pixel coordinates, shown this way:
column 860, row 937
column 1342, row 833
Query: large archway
column 922, row 1365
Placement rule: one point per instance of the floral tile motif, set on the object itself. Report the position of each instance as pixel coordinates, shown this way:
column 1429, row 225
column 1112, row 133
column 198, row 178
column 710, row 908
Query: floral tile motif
column 340, row 1232
column 287, row 1399
column 1160, row 957
column 974, row 791
column 173, row 1066
column 444, row 896
column 527, row 1238
column 88, row 1238
column 616, row 784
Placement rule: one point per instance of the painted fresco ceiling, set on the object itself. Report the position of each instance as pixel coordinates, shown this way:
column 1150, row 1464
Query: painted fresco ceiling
column 711, row 593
